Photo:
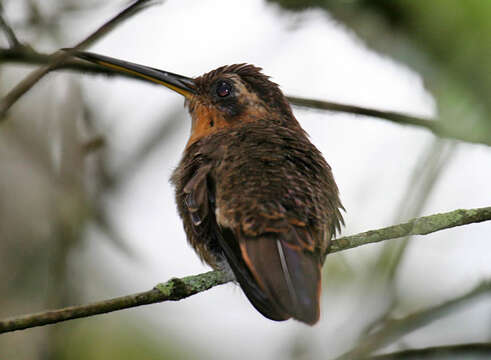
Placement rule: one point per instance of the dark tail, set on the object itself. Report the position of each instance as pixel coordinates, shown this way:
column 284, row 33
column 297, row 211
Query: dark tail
column 288, row 275
column 279, row 279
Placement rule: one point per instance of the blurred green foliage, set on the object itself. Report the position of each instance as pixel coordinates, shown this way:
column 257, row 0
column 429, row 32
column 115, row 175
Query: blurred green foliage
column 122, row 340
column 447, row 41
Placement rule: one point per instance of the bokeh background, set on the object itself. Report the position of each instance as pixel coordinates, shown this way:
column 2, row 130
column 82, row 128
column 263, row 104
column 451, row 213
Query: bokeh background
column 87, row 211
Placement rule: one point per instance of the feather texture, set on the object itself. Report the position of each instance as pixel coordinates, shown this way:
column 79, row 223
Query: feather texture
column 261, row 199
column 254, row 194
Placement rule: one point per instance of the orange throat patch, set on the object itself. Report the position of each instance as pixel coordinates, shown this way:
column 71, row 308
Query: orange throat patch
column 205, row 121
column 208, row 119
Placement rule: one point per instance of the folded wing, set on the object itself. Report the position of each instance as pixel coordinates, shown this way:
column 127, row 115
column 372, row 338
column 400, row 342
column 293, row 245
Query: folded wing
column 278, row 268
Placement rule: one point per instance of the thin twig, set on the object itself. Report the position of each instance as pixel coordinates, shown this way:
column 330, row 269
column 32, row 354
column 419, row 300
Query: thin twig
column 357, row 110
column 29, row 56
column 159, row 135
column 94, row 144
column 59, row 57
column 176, row 289
column 426, row 174
column 388, row 260
column 423, row 178
column 460, row 351
column 396, row 328
column 32, row 57
column 26, row 55
column 9, row 33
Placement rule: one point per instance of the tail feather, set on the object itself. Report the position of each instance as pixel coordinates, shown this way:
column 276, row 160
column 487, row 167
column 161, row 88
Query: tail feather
column 260, row 299
column 289, row 276
column 306, row 278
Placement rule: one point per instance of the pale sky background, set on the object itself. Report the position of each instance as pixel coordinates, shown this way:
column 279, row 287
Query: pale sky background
column 309, row 55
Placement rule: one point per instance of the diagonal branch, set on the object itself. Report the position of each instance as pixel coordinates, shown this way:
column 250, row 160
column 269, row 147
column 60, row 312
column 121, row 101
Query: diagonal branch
column 396, row 328
column 26, row 55
column 176, row 289
column 460, row 351
column 29, row 56
column 9, row 33
column 59, row 57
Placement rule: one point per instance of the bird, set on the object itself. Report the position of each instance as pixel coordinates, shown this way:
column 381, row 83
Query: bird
column 257, row 199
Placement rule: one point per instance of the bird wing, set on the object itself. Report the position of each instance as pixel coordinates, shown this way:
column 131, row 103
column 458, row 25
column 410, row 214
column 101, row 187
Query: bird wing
column 199, row 200
column 274, row 254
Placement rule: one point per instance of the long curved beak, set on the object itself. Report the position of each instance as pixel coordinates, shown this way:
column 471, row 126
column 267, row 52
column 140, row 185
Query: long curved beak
column 181, row 84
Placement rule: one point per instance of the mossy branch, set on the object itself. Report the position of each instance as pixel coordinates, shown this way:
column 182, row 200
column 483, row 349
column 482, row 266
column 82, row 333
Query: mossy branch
column 172, row 290
column 418, row 226
column 177, row 289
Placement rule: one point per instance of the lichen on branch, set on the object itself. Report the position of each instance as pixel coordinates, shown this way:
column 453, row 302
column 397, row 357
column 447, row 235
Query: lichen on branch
column 176, row 289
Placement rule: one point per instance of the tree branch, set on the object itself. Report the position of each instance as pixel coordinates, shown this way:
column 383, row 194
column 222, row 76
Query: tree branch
column 172, row 290
column 396, row 328
column 29, row 56
column 398, row 118
column 59, row 57
column 461, row 351
column 176, row 289
column 9, row 33
column 24, row 55
column 436, row 126
column 93, row 144
column 418, row 226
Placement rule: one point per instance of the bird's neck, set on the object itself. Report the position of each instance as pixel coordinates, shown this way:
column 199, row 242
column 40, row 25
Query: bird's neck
column 207, row 121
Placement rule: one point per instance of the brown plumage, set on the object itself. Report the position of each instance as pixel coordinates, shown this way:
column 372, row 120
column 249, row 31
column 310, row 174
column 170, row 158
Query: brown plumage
column 255, row 196
column 254, row 193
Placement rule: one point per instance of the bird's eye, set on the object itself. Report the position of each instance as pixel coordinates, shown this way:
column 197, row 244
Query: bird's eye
column 224, row 89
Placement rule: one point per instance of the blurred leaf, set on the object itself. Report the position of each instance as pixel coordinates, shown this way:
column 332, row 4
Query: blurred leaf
column 122, row 340
column 447, row 41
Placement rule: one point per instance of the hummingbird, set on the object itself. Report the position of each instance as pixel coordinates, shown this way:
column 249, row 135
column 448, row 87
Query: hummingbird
column 256, row 197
